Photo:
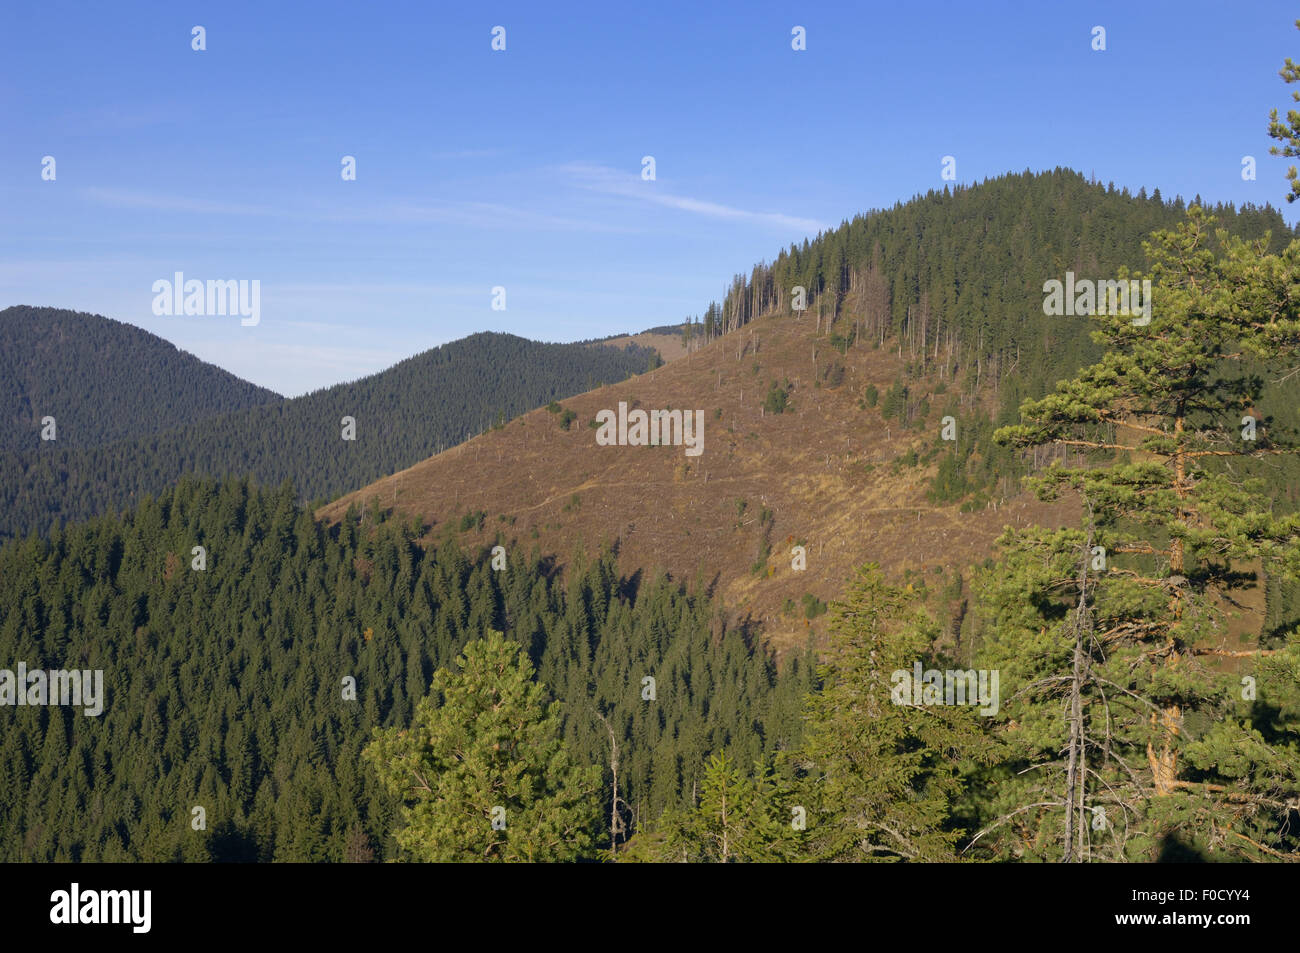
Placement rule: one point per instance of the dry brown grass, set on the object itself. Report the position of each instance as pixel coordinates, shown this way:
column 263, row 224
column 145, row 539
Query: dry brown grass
column 669, row 511
column 669, row 346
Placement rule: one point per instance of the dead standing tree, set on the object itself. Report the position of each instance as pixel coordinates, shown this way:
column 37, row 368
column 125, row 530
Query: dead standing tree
column 616, row 823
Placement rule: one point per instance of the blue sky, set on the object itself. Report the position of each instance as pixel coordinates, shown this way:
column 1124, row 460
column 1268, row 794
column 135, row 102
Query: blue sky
column 521, row 168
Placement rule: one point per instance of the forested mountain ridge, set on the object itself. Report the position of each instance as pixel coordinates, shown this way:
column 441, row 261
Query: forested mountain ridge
column 432, row 400
column 956, row 276
column 103, row 380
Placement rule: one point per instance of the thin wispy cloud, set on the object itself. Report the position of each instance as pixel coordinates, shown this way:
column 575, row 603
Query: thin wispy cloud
column 467, row 154
column 126, row 198
column 114, row 119
column 375, row 287
column 475, row 215
column 464, row 214
column 470, row 214
column 603, row 179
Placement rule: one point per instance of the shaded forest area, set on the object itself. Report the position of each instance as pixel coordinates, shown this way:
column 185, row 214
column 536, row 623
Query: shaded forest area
column 104, row 380
column 416, row 408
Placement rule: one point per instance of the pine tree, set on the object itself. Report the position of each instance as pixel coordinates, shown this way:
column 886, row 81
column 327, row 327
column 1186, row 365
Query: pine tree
column 882, row 777
column 738, row 819
column 485, row 776
column 1121, row 622
column 1288, row 133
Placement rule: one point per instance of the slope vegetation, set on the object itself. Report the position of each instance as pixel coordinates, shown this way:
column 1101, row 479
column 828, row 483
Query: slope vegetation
column 828, row 473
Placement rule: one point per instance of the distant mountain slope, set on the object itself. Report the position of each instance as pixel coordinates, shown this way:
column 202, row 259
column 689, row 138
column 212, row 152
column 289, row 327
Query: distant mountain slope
column 102, row 380
column 669, row 346
column 426, row 403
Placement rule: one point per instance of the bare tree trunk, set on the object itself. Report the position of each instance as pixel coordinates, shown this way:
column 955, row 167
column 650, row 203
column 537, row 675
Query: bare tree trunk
column 725, row 851
column 1076, row 761
column 1164, row 765
column 616, row 825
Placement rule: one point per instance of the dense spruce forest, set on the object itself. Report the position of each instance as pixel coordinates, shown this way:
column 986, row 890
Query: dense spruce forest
column 954, row 279
column 225, row 685
column 103, row 380
column 414, row 409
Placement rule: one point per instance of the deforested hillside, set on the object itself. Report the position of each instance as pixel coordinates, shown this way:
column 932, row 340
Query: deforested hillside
column 823, row 427
column 792, row 454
